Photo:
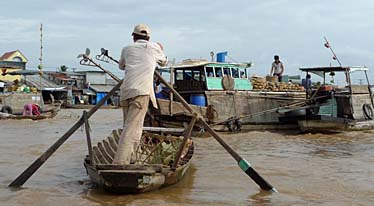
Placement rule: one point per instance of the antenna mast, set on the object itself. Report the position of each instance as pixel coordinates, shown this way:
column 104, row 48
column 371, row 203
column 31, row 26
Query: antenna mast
column 40, row 66
column 334, row 57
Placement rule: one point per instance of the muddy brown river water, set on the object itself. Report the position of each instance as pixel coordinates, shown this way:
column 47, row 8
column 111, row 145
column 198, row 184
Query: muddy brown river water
column 307, row 169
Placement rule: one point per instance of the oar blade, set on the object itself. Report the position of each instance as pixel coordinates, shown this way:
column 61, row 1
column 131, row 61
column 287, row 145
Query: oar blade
column 251, row 172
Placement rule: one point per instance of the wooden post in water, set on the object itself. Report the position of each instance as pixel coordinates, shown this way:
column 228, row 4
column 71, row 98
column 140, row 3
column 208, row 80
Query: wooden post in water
column 88, row 135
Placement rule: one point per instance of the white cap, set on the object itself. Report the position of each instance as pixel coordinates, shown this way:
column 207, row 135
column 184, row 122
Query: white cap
column 142, row 30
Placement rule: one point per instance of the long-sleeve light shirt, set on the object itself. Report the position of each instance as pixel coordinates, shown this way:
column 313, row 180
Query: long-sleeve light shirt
column 139, row 62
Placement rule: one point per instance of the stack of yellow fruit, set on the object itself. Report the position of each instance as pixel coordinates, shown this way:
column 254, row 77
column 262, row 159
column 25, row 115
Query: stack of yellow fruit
column 283, row 86
column 260, row 83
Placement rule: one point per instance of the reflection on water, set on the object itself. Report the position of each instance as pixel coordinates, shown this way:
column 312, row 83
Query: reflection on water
column 261, row 198
column 307, row 169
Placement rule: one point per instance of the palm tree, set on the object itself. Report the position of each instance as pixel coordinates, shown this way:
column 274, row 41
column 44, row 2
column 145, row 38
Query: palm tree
column 63, row 68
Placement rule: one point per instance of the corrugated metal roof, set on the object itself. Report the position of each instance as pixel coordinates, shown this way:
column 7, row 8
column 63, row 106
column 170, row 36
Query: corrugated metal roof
column 40, row 82
column 101, row 87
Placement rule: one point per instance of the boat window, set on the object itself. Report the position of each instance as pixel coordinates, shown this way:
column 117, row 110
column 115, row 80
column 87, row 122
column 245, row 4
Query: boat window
column 243, row 73
column 187, row 75
column 209, row 71
column 218, row 71
column 196, row 75
column 179, row 74
column 235, row 72
column 226, row 71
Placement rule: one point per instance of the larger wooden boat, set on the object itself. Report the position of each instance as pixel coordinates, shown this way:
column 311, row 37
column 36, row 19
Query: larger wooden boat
column 220, row 92
column 152, row 169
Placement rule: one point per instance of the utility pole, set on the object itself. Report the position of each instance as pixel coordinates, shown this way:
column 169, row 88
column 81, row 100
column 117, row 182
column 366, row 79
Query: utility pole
column 40, row 66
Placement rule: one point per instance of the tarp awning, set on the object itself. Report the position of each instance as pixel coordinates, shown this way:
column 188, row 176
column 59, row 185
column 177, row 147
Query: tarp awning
column 333, row 69
column 55, row 89
column 40, row 82
column 101, row 88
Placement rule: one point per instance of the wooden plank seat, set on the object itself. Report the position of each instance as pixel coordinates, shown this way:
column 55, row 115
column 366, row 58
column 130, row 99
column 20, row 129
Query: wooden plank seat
column 154, row 167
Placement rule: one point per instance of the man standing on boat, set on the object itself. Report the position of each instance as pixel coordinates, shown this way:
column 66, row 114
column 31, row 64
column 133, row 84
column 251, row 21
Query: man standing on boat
column 277, row 68
column 307, row 82
column 139, row 61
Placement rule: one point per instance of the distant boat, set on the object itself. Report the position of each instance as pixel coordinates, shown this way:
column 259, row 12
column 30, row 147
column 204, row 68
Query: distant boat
column 49, row 112
column 337, row 109
column 12, row 106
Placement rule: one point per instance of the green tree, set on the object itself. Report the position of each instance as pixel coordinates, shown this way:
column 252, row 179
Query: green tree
column 63, row 68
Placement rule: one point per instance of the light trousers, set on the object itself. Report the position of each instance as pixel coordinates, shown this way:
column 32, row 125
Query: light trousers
column 134, row 111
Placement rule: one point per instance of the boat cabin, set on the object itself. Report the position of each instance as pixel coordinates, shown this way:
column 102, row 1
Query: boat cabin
column 193, row 79
column 349, row 101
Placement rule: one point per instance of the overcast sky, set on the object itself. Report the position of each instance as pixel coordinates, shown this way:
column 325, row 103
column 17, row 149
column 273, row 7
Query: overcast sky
column 250, row 30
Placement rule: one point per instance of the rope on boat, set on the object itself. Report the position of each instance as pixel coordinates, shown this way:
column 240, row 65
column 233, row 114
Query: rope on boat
column 299, row 104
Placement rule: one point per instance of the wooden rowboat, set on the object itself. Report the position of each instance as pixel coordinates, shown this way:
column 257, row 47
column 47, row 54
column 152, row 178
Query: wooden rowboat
column 153, row 167
column 49, row 112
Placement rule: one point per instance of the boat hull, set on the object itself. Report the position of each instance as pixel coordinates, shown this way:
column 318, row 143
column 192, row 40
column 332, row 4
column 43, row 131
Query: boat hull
column 135, row 181
column 49, row 112
column 334, row 126
column 133, row 178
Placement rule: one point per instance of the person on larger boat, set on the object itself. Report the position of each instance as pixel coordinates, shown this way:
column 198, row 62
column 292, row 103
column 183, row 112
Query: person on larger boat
column 307, row 82
column 277, row 68
column 139, row 62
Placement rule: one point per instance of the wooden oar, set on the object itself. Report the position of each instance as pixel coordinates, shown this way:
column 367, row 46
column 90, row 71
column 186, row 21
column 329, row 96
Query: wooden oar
column 243, row 164
column 187, row 135
column 25, row 175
